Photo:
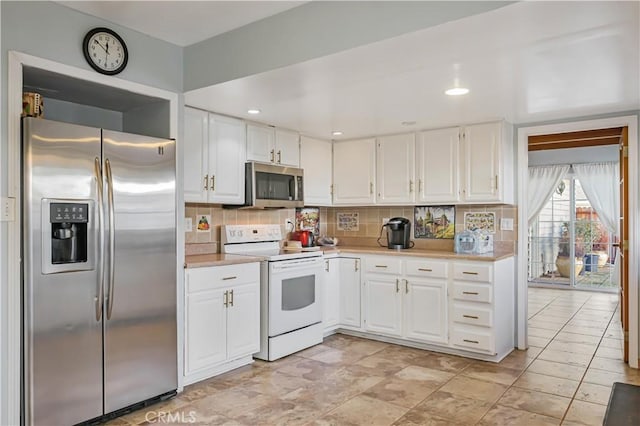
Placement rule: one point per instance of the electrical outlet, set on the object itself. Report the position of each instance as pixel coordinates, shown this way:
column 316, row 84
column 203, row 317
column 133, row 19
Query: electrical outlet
column 506, row 224
column 7, row 209
column 385, row 220
column 188, row 224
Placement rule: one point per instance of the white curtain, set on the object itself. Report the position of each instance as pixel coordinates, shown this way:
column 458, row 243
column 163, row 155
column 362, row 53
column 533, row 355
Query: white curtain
column 543, row 180
column 601, row 185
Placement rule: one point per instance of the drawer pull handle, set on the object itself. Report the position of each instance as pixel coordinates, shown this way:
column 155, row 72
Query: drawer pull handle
column 470, row 316
column 229, row 278
column 425, row 269
column 470, row 341
column 381, row 266
column 470, row 273
column 475, row 293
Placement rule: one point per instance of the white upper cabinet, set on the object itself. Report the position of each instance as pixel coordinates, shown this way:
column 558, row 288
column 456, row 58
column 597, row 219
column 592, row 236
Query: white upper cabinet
column 315, row 160
column 267, row 144
column 487, row 163
column 354, row 172
column 395, row 173
column 287, row 148
column 196, row 155
column 437, row 159
column 214, row 157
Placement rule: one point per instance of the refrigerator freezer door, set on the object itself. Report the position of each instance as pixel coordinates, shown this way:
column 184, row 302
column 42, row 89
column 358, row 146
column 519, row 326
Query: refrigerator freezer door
column 62, row 330
column 140, row 285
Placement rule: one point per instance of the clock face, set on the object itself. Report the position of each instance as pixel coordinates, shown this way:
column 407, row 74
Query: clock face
column 105, row 51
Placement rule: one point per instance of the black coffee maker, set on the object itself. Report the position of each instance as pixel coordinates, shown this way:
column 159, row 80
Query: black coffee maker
column 398, row 233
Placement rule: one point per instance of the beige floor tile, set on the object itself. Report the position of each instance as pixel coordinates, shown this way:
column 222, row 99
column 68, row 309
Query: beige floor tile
column 540, row 342
column 442, row 362
column 547, row 325
column 363, row 410
column 422, row 418
column 576, row 348
column 455, row 408
column 589, row 331
column 580, row 360
column 500, row 415
column 424, row 375
column 475, row 389
column 405, row 393
column 548, row 384
column 613, row 353
column 338, row 356
column 535, row 402
column 597, row 394
column 608, row 342
column 556, row 369
column 519, row 359
column 608, row 364
column 492, row 373
column 576, row 338
column 541, row 332
column 382, row 364
column 586, row 413
column 607, row 378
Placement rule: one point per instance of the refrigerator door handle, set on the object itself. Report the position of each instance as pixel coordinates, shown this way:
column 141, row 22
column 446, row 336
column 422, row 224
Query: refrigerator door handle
column 112, row 249
column 99, row 298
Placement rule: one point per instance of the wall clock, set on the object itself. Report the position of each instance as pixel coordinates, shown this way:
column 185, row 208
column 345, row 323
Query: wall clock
column 105, row 51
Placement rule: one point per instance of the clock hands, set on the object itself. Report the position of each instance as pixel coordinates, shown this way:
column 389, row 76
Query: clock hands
column 103, row 48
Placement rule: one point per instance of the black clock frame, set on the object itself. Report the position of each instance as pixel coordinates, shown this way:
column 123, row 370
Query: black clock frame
column 87, row 56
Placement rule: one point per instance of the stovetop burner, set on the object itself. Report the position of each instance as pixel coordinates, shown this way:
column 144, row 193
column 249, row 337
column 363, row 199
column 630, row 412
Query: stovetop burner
column 259, row 240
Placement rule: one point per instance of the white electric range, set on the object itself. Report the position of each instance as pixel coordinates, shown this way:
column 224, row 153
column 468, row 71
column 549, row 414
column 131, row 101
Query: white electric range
column 290, row 289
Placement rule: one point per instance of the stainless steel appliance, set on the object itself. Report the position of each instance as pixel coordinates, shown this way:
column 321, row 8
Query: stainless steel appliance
column 398, row 233
column 290, row 289
column 268, row 186
column 99, row 287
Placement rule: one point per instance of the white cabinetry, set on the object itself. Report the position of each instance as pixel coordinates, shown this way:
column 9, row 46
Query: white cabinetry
column 438, row 156
column 316, row 161
column 469, row 164
column 350, row 302
column 214, row 157
column 395, row 171
column 222, row 319
column 382, row 297
column 331, row 291
column 354, row 172
column 267, row 144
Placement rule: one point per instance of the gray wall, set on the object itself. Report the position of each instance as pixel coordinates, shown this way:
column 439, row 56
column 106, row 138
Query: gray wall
column 150, row 120
column 313, row 30
column 85, row 115
column 595, row 154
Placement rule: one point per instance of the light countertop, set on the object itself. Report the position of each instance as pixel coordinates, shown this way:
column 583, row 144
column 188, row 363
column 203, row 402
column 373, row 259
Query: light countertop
column 415, row 252
column 217, row 259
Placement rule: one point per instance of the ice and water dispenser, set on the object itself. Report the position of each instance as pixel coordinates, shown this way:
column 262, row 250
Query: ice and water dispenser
column 66, row 232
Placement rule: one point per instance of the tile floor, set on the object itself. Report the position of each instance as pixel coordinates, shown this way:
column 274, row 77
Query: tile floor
column 564, row 378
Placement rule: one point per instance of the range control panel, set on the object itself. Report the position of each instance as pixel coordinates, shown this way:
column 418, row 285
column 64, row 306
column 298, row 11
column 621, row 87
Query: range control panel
column 69, row 213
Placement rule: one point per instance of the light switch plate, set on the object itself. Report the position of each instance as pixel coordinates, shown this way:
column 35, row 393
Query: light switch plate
column 188, row 224
column 506, row 224
column 7, row 209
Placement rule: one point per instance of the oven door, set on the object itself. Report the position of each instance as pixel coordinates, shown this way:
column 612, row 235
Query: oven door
column 294, row 294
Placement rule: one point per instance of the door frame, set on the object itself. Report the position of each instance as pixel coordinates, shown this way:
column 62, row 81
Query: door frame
column 631, row 122
column 16, row 62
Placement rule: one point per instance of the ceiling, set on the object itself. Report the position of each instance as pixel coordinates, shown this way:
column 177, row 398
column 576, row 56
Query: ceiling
column 182, row 22
column 526, row 62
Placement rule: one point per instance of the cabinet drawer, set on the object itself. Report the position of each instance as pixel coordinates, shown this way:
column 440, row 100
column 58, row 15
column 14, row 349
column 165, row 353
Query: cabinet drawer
column 383, row 265
column 473, row 272
column 472, row 292
column 428, row 268
column 473, row 315
column 198, row 279
column 469, row 339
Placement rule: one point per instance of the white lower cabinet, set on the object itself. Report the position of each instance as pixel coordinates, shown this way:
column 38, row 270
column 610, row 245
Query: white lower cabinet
column 383, row 305
column 350, row 297
column 425, row 313
column 222, row 327
column 331, row 294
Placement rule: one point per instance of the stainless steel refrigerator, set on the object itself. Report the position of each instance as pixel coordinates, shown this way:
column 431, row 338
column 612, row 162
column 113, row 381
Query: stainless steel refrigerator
column 99, row 271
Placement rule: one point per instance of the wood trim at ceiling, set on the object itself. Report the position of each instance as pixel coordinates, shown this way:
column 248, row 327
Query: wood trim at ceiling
column 579, row 139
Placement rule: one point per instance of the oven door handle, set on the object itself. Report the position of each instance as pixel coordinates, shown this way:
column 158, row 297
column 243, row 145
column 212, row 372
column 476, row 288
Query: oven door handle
column 296, row 264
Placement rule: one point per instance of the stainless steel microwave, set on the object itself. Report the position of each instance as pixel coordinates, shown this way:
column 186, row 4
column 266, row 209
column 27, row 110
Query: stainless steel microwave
column 268, row 186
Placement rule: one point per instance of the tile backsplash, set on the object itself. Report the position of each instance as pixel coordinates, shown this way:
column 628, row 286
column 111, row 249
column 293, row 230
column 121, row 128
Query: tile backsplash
column 370, row 222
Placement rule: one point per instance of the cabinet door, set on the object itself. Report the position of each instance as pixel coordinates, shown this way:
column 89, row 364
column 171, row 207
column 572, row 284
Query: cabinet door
column 227, row 141
column 261, row 143
column 287, row 148
column 354, row 172
column 243, row 320
column 350, row 292
column 331, row 294
column 395, row 172
column 481, row 150
column 196, row 156
column 383, row 305
column 315, row 160
column 425, row 310
column 438, row 159
column 206, row 336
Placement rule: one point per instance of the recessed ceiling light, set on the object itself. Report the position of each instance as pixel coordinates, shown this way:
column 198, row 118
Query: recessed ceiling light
column 254, row 111
column 337, row 133
column 457, row 91
column 408, row 123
